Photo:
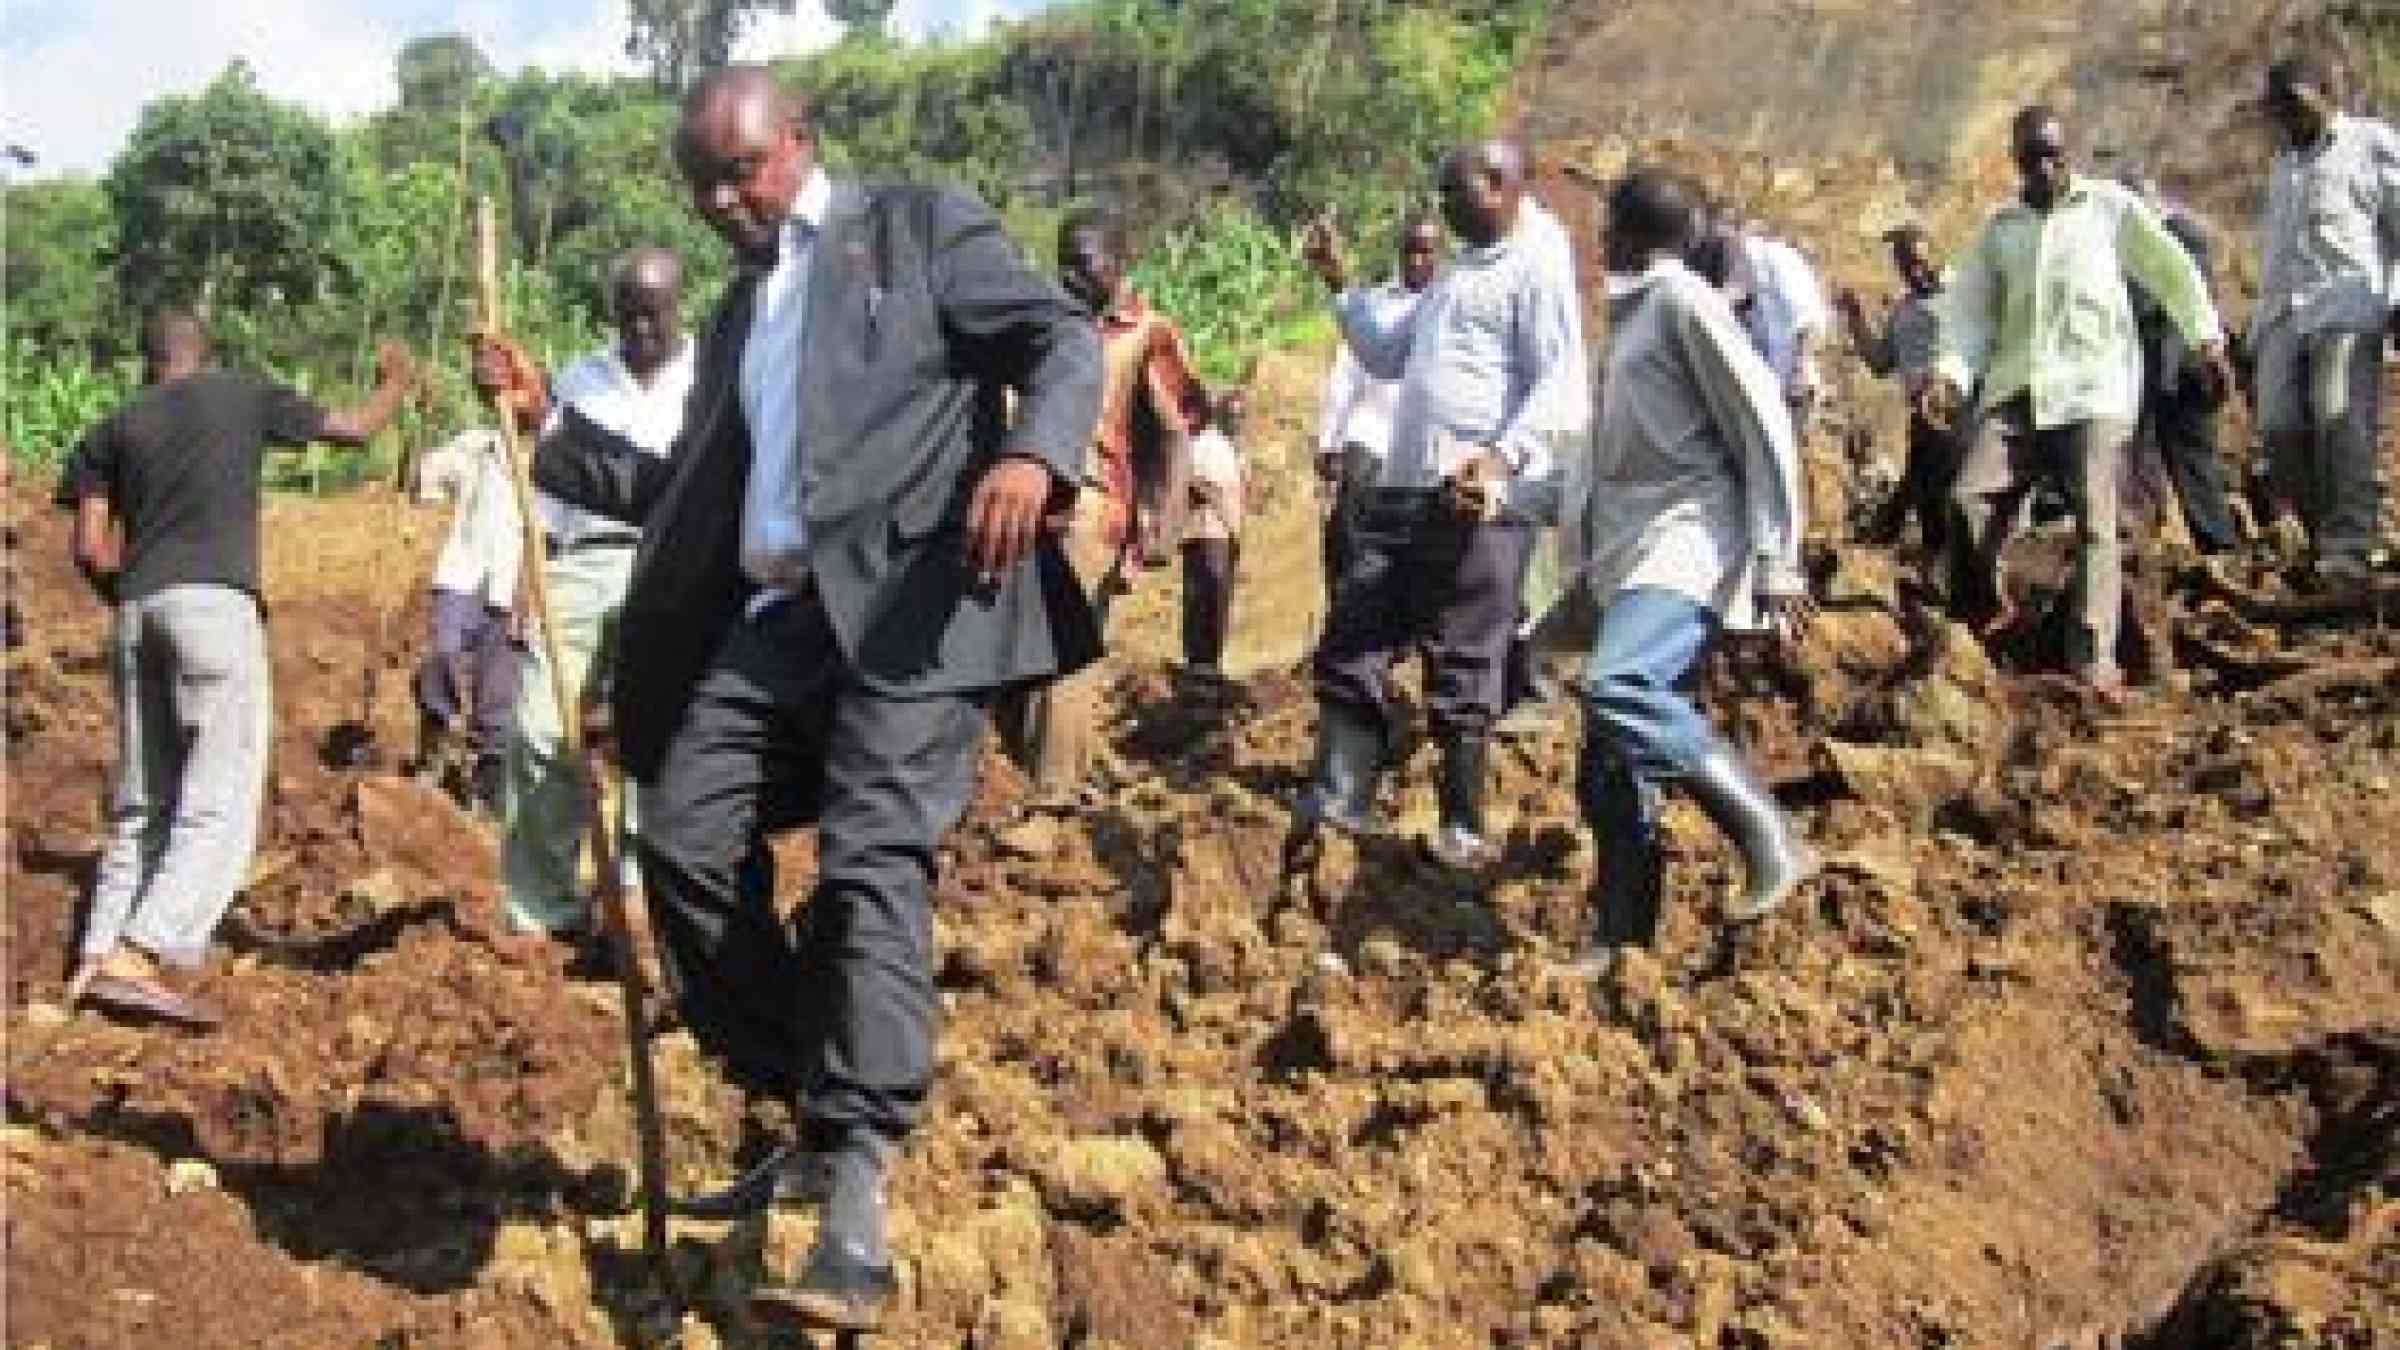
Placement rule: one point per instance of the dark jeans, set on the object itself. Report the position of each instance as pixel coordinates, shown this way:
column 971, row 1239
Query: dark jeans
column 471, row 665
column 2182, row 423
column 1354, row 484
column 1925, row 479
column 1420, row 575
column 838, row 1007
column 1208, row 566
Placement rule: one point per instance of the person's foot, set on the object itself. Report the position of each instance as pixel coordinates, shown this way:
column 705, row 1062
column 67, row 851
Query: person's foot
column 1321, row 808
column 1999, row 622
column 1459, row 847
column 128, row 985
column 791, row 1175
column 2341, row 574
column 1595, row 962
column 2105, row 687
column 80, row 983
column 846, row 1282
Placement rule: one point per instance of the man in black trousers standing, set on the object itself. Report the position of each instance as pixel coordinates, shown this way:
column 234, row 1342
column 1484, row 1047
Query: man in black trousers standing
column 841, row 564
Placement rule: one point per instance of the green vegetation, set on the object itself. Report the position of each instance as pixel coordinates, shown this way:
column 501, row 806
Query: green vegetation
column 1216, row 126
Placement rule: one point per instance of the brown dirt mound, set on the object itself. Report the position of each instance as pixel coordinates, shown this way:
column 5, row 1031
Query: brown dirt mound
column 2087, row 1038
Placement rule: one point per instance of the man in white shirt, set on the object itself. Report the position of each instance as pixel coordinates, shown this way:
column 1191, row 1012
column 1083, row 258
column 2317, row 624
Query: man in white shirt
column 1528, row 700
column 636, row 388
column 1442, row 543
column 471, row 665
column 1692, row 527
column 1354, row 419
column 1787, row 316
column 2325, row 300
column 1212, row 537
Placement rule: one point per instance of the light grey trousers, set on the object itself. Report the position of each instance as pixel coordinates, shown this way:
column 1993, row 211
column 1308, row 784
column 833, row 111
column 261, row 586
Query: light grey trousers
column 195, row 718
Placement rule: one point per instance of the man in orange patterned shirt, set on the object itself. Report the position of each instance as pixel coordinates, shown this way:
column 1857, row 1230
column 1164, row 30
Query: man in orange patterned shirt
column 1136, row 492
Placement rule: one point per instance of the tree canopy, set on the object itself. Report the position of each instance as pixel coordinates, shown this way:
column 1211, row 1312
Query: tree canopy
column 1215, row 125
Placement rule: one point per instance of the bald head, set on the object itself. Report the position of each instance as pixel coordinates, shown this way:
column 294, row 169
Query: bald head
column 645, row 297
column 174, row 343
column 1482, row 184
column 745, row 149
column 654, row 266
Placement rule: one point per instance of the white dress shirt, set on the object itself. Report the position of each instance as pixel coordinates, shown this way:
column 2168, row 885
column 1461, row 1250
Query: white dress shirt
column 1787, row 302
column 1570, row 411
column 774, row 532
column 602, row 388
column 485, row 547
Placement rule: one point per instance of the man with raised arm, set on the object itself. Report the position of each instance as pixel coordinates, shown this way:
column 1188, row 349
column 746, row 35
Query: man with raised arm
column 1442, row 542
column 166, row 492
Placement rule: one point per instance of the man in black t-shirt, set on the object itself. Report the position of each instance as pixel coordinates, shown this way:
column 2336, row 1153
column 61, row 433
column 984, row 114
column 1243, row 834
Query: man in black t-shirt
column 166, row 494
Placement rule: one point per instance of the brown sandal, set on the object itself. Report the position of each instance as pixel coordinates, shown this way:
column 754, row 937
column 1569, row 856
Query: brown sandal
column 145, row 1001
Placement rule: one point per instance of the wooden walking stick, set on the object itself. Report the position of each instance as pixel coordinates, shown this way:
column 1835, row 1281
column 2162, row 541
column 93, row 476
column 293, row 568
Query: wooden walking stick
column 609, row 881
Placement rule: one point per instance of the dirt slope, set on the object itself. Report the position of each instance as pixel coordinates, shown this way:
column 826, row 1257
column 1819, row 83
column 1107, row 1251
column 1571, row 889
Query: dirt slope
column 2090, row 1037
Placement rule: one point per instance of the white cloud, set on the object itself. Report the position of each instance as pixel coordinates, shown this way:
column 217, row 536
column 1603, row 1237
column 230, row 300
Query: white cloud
column 71, row 89
column 74, row 74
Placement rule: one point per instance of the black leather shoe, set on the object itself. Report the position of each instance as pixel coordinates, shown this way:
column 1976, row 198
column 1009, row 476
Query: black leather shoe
column 838, row 1290
column 790, row 1175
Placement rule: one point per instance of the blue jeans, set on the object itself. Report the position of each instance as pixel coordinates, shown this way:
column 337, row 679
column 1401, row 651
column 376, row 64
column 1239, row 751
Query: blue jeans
column 1641, row 732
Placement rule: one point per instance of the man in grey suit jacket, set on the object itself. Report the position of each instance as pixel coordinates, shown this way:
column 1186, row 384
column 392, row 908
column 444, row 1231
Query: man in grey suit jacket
column 841, row 564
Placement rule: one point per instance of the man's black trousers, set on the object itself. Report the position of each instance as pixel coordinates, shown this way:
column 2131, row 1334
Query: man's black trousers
column 837, row 1008
column 1421, row 577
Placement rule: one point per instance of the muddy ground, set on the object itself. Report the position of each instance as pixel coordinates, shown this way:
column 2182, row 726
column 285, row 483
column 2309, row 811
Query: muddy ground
column 2090, row 1036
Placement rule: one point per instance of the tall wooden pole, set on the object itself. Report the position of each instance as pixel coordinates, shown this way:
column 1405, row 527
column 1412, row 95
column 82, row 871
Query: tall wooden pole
column 609, row 882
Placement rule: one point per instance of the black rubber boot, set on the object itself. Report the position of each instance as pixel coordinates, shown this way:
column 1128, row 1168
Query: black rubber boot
column 1349, row 757
column 487, row 787
column 1622, row 811
column 846, row 1283
column 433, row 750
column 1775, row 860
column 791, row 1175
column 1460, row 840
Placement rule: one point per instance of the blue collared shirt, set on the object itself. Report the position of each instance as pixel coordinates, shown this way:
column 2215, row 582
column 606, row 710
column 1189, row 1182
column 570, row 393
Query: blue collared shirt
column 774, row 532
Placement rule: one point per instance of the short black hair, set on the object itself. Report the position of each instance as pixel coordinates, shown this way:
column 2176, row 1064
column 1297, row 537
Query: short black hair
column 1905, row 234
column 2030, row 119
column 172, row 331
column 2301, row 68
column 1654, row 208
column 1097, row 220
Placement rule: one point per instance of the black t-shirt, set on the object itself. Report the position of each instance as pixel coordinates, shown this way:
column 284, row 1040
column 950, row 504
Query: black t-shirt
column 179, row 464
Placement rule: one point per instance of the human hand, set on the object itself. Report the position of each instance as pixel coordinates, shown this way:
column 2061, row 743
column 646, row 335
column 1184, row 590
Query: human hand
column 1321, row 249
column 1473, row 489
column 509, row 379
column 598, row 725
column 1005, row 514
column 1788, row 615
column 394, row 362
column 2216, row 371
column 1940, row 402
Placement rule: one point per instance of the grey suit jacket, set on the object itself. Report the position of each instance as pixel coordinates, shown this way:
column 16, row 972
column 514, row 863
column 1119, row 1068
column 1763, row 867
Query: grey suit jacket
column 922, row 315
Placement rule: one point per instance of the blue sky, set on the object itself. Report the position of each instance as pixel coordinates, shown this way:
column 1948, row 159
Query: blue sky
column 74, row 74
